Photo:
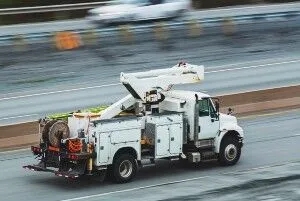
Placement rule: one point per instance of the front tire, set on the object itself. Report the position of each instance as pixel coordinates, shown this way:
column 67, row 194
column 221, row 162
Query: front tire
column 124, row 168
column 230, row 151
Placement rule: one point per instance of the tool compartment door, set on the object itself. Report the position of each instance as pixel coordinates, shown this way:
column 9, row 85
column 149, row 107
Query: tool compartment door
column 162, row 141
column 175, row 138
column 103, row 148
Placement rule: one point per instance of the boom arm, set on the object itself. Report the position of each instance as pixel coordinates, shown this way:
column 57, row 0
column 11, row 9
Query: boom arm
column 140, row 83
column 117, row 107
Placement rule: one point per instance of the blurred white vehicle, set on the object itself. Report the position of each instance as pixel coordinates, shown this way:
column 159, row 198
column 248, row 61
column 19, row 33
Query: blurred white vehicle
column 138, row 10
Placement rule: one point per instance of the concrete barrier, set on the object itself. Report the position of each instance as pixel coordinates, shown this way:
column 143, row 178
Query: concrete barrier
column 19, row 135
column 253, row 102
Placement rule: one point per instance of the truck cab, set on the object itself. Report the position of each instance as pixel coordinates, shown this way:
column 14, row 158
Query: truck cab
column 206, row 126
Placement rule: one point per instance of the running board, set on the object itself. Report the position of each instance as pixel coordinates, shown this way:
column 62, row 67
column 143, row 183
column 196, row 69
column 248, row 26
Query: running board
column 149, row 164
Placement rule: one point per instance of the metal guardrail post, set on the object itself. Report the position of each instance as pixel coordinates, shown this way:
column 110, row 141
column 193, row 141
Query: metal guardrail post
column 19, row 43
column 162, row 35
column 194, row 29
column 161, row 32
column 126, row 34
column 89, row 38
column 229, row 27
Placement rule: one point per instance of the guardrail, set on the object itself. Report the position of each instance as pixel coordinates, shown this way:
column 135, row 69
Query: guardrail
column 205, row 22
column 53, row 8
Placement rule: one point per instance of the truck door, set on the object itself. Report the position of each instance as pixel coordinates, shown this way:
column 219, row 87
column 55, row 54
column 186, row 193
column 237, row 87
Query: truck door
column 209, row 123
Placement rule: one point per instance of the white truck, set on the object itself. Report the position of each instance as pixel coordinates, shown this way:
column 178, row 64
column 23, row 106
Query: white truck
column 160, row 123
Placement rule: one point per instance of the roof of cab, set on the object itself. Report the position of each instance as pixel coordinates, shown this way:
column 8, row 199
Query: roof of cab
column 185, row 94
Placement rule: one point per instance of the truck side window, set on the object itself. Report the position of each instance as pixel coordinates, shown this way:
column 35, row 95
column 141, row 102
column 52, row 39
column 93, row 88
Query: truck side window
column 203, row 107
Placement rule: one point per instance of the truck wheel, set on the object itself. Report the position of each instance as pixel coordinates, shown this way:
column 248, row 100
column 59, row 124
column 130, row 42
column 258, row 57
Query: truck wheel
column 230, row 151
column 124, row 168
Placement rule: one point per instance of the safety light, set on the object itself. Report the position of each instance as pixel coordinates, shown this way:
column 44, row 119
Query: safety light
column 36, row 149
column 73, row 157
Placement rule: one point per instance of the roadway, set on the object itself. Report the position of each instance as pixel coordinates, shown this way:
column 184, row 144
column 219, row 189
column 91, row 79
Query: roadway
column 268, row 170
column 41, row 81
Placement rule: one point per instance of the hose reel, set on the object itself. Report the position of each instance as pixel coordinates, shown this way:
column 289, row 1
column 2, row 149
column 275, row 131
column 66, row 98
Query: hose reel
column 54, row 131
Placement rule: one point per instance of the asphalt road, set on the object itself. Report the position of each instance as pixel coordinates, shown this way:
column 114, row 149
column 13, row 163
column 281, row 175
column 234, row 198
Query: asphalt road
column 268, row 170
column 40, row 82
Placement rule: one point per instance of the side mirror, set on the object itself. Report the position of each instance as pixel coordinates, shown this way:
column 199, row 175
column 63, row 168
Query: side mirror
column 217, row 104
column 218, row 109
column 230, row 111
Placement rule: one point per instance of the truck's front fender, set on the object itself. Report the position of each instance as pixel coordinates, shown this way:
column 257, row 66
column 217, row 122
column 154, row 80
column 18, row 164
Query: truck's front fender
column 225, row 130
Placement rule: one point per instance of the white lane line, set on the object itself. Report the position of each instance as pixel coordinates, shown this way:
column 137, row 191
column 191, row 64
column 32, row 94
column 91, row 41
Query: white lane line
column 20, row 116
column 268, row 139
column 249, row 63
column 177, row 181
column 252, row 90
column 268, row 114
column 61, row 91
column 254, row 66
column 133, row 189
column 19, row 151
column 116, row 84
column 243, row 8
column 67, row 73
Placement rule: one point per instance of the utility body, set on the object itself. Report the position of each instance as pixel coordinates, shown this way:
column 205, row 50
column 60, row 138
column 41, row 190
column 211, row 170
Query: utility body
column 153, row 122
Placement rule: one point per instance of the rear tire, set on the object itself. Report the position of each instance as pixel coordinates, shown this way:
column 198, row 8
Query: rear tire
column 124, row 168
column 230, row 151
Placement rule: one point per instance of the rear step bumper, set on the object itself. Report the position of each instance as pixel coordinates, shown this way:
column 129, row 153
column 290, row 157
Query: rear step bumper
column 71, row 174
column 67, row 174
column 37, row 168
column 61, row 163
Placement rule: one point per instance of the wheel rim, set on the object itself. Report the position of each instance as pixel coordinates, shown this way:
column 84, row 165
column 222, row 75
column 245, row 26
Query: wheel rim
column 125, row 169
column 230, row 152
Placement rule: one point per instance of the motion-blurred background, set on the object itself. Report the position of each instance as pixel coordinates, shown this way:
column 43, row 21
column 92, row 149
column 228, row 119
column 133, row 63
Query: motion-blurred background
column 60, row 15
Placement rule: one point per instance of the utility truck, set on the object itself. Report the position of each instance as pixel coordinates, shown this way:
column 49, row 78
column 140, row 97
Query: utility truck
column 153, row 122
